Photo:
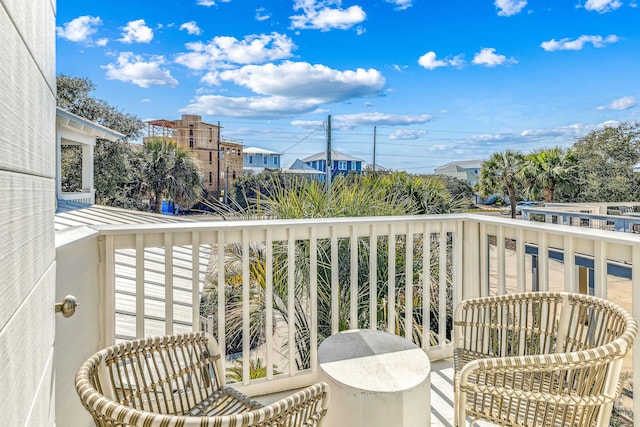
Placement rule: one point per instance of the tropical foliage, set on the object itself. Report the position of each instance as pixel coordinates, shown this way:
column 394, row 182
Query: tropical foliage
column 171, row 171
column 547, row 169
column 597, row 168
column 502, row 173
column 395, row 194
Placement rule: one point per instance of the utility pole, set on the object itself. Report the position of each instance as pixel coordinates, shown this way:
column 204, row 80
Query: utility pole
column 329, row 163
column 218, row 169
column 226, row 184
column 374, row 150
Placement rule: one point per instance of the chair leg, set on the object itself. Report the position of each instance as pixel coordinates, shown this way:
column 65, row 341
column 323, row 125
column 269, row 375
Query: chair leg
column 458, row 409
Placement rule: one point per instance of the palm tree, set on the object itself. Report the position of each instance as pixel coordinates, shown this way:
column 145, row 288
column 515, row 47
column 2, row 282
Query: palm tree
column 171, row 171
column 353, row 196
column 546, row 169
column 502, row 172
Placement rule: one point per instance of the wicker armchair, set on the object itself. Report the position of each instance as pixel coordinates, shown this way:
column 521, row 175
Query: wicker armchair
column 178, row 380
column 539, row 359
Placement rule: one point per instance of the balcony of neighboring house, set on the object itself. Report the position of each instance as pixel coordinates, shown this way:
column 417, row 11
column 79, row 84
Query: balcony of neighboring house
column 272, row 291
column 75, row 143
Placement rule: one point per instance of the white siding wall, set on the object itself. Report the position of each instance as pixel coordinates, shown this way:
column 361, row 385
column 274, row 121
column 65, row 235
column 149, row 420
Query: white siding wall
column 78, row 336
column 27, row 190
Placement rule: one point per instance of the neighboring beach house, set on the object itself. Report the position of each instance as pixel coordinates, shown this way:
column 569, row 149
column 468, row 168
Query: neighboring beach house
column 255, row 160
column 466, row 170
column 342, row 163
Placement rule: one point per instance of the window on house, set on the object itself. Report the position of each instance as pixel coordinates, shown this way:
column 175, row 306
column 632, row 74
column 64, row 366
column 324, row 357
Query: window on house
column 342, row 165
column 210, row 157
column 275, row 161
column 250, row 160
column 234, row 174
column 265, row 160
column 210, row 177
column 353, row 166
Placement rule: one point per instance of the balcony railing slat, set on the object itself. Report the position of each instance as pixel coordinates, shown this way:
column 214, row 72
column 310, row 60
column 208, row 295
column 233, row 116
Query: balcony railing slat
column 268, row 321
column 291, row 296
column 484, row 260
column 570, row 281
column 140, row 305
column 408, row 273
column 108, row 298
column 600, row 269
column 335, row 320
column 426, row 287
column 635, row 303
column 501, row 271
column 221, row 310
column 442, row 288
column 168, row 282
column 354, row 278
column 543, row 262
column 313, row 288
column 246, row 310
column 391, row 280
column 195, row 278
column 521, row 262
column 373, row 278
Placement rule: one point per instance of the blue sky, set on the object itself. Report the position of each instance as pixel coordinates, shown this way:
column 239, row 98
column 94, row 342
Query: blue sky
column 440, row 81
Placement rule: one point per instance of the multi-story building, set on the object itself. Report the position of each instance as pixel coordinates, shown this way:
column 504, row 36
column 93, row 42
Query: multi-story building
column 219, row 159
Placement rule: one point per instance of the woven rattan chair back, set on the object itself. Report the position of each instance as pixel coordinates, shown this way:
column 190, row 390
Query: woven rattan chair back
column 540, row 358
column 178, row 380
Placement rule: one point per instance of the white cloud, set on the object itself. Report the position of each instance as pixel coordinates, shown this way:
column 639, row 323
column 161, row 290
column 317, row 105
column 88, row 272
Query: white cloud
column 222, row 51
column 401, row 4
column 370, row 119
column 429, row 61
column 80, row 29
column 133, row 69
column 320, row 15
column 305, row 88
column 305, row 81
column 207, row 3
column 136, row 31
column 102, row 42
column 578, row 44
column 262, row 14
column 509, row 7
column 407, row 134
column 249, row 107
column 307, row 124
column 191, row 27
column 602, row 6
column 624, row 103
column 488, row 57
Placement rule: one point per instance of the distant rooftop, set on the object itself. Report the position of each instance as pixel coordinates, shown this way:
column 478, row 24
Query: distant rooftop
column 466, row 164
column 256, row 150
column 335, row 155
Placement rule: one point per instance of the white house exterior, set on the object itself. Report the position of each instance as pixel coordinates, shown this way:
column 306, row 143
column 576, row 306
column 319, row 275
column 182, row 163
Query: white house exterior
column 28, row 188
column 255, row 160
column 466, row 170
column 75, row 130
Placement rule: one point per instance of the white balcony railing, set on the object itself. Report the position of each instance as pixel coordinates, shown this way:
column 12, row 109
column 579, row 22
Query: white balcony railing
column 289, row 283
column 87, row 197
